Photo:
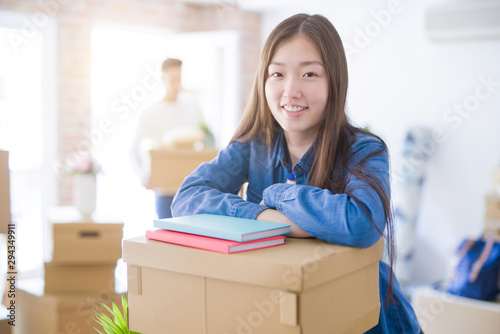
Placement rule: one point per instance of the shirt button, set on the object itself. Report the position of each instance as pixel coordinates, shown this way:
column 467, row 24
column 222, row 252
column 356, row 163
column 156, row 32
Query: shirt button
column 297, row 168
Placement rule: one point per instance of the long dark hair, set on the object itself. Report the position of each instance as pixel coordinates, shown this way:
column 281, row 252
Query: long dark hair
column 336, row 135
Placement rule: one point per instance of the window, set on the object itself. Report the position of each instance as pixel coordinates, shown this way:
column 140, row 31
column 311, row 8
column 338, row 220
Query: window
column 26, row 122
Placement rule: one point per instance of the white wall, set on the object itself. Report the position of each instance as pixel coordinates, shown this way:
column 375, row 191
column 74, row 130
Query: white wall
column 401, row 79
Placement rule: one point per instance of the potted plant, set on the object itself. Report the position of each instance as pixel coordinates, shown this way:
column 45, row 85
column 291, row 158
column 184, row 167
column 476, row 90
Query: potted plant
column 111, row 319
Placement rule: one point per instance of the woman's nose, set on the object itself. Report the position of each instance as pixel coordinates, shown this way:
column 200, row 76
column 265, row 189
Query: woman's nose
column 292, row 89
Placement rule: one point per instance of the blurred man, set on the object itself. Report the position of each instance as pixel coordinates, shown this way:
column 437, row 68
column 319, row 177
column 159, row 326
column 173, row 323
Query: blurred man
column 164, row 116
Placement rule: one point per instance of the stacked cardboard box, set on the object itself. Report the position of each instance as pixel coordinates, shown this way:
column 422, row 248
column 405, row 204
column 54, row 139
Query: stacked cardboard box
column 492, row 221
column 169, row 166
column 43, row 313
column 440, row 312
column 493, row 206
column 84, row 257
column 5, row 217
column 305, row 286
column 5, row 327
column 496, row 181
column 81, row 273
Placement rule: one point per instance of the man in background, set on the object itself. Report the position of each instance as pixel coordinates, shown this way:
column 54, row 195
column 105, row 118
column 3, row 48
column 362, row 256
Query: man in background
column 172, row 112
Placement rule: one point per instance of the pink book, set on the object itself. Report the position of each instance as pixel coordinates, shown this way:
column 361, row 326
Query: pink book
column 212, row 244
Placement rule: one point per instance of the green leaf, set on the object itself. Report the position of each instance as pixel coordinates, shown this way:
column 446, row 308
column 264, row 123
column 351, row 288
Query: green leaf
column 118, row 317
column 124, row 307
column 107, row 324
column 111, row 318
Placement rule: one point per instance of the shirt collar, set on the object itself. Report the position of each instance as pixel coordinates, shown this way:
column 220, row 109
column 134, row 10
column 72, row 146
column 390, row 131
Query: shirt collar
column 304, row 162
column 280, row 156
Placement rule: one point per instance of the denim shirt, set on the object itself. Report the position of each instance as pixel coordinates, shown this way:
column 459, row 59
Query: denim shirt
column 336, row 218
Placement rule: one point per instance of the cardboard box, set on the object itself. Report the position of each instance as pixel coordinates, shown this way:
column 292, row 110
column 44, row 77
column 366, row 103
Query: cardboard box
column 305, row 286
column 496, row 182
column 440, row 312
column 492, row 227
column 78, row 278
column 493, row 207
column 5, row 216
column 5, row 328
column 87, row 243
column 57, row 314
column 169, row 167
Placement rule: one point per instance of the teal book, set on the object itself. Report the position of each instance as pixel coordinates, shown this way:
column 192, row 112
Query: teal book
column 223, row 227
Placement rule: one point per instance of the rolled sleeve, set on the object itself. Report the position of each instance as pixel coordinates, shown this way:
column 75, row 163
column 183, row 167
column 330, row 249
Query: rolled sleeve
column 244, row 209
column 274, row 195
column 213, row 187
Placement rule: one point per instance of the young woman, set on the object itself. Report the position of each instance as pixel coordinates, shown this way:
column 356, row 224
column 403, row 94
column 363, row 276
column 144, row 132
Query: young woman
column 305, row 164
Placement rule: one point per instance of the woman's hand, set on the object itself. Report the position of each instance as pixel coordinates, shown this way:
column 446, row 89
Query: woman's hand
column 271, row 215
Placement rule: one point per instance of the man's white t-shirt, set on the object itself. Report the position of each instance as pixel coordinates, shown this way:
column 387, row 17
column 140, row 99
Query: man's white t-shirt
column 154, row 123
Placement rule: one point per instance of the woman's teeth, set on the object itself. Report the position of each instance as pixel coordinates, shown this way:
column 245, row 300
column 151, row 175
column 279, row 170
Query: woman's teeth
column 293, row 109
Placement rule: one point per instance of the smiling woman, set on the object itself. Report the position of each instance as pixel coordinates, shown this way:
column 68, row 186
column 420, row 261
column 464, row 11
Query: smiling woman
column 295, row 123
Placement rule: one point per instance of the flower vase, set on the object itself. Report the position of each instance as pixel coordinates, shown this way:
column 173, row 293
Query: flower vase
column 84, row 195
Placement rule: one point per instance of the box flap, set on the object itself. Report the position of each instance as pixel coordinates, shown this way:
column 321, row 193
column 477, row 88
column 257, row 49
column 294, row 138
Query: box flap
column 176, row 153
column 288, row 308
column 134, row 280
column 299, row 264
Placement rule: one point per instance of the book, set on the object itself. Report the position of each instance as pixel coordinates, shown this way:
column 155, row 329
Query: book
column 223, row 227
column 212, row 244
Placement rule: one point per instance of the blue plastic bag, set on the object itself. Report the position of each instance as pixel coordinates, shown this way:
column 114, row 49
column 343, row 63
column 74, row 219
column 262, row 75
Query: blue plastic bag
column 478, row 269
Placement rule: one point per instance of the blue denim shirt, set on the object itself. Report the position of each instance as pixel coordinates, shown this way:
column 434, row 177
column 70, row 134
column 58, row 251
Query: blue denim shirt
column 335, row 218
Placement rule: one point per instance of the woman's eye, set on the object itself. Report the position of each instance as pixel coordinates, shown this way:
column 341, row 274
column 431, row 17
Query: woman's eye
column 309, row 75
column 276, row 74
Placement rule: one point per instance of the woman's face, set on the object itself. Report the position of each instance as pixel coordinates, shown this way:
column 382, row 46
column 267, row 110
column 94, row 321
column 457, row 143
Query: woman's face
column 297, row 88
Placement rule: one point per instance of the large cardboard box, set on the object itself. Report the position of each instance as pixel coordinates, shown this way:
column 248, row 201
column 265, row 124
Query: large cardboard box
column 78, row 278
column 170, row 166
column 59, row 313
column 443, row 313
column 87, row 243
column 305, row 286
column 5, row 217
column 493, row 207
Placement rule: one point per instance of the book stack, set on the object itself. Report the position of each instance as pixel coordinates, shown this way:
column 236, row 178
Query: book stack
column 217, row 233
